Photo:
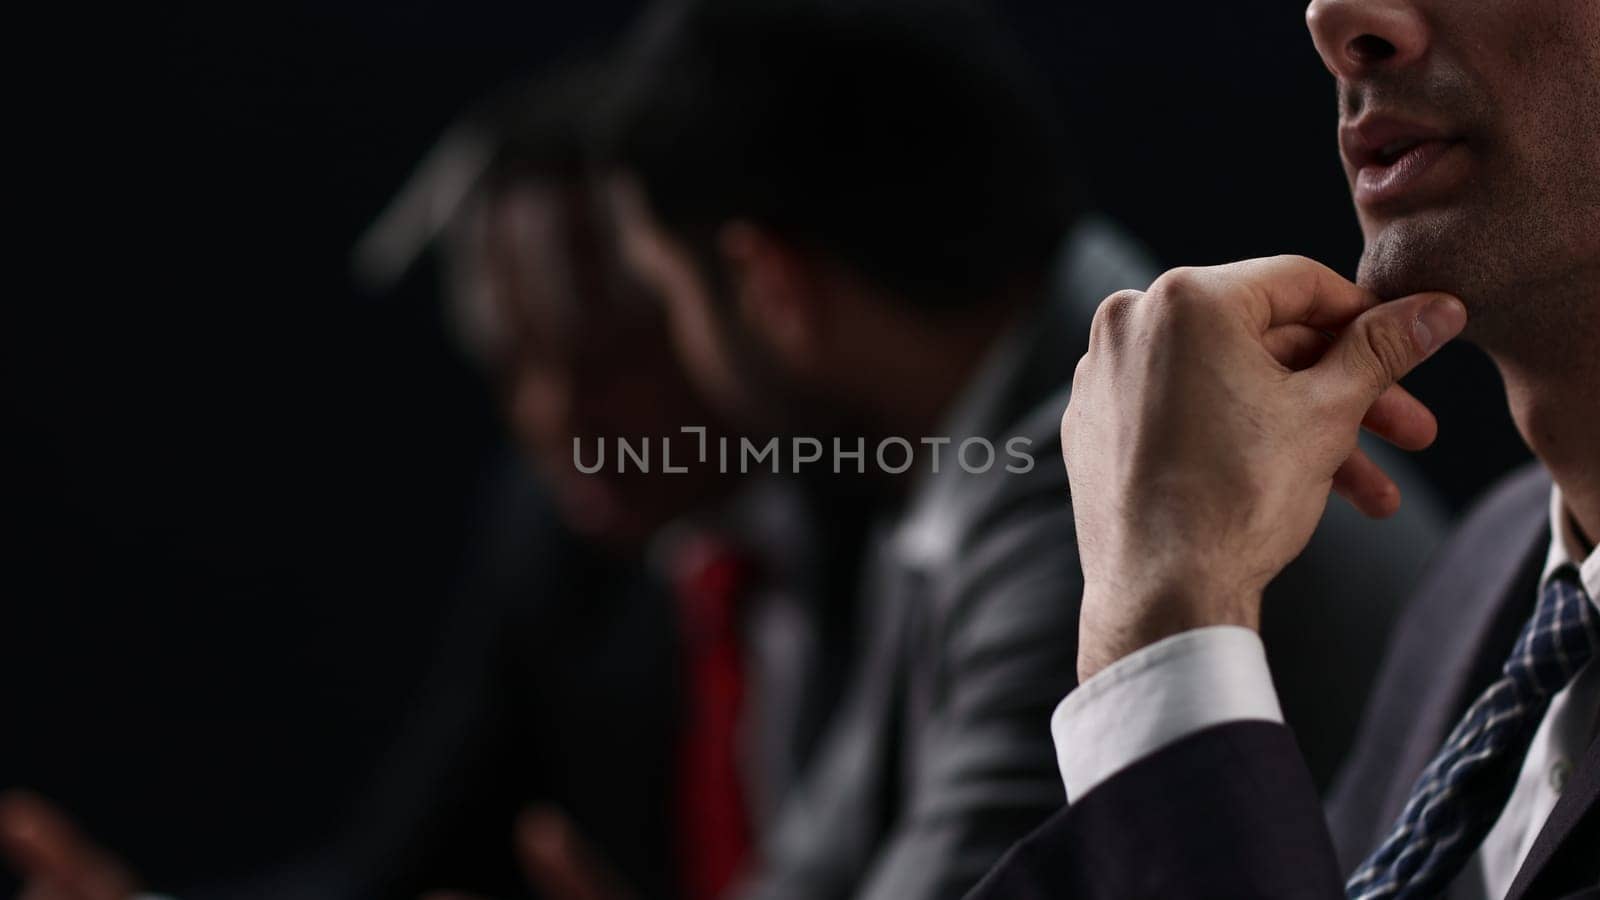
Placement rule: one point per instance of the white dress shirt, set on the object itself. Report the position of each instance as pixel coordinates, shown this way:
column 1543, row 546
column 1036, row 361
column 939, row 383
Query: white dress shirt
column 1211, row 676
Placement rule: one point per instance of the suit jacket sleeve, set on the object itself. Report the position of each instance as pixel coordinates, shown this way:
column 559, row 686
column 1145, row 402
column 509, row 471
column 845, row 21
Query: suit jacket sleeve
column 1228, row 812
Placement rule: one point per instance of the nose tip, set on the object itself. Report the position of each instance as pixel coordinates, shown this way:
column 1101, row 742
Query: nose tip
column 1356, row 37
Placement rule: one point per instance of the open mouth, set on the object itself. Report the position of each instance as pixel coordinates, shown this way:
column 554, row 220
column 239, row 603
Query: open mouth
column 1401, row 168
column 1401, row 160
column 1394, row 151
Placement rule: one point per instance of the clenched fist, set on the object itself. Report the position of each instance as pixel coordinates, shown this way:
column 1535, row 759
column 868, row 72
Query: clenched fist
column 1209, row 421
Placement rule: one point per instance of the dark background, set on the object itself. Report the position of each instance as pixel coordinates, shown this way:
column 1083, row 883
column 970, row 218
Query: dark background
column 239, row 490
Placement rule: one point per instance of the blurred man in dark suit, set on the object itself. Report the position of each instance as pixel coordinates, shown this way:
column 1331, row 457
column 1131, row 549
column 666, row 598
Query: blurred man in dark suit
column 853, row 211
column 610, row 678
column 1212, row 416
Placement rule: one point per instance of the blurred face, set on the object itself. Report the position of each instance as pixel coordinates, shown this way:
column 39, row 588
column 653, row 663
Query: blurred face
column 582, row 354
column 1470, row 132
column 712, row 347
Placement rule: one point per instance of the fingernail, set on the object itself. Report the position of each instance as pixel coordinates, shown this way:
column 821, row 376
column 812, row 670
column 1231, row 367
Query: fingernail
column 1439, row 322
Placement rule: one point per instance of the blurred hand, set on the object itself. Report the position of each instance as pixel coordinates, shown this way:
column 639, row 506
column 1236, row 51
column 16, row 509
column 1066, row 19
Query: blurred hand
column 558, row 861
column 1208, row 422
column 54, row 859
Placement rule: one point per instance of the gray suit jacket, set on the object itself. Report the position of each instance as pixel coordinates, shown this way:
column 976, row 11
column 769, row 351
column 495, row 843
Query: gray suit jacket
column 941, row 756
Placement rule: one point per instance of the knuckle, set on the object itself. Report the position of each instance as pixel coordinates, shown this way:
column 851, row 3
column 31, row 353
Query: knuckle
column 1184, row 293
column 1392, row 348
column 1112, row 316
column 1120, row 304
column 1381, row 354
column 1177, row 284
column 1081, row 368
column 1362, row 367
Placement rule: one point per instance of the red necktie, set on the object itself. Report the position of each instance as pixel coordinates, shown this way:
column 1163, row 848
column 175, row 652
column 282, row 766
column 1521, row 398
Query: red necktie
column 713, row 828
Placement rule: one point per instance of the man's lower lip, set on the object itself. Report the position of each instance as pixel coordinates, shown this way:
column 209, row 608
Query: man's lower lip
column 1377, row 183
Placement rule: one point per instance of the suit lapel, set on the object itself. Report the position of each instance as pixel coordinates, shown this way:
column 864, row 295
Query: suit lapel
column 1493, row 603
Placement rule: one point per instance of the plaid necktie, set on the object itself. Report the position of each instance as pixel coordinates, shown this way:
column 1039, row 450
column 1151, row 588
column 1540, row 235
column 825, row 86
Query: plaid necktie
column 1462, row 791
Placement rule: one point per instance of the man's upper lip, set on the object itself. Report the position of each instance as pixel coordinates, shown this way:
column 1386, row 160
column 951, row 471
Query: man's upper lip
column 1365, row 140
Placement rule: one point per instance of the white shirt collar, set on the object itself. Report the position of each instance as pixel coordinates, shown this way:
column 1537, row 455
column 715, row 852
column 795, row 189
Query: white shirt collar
column 1566, row 548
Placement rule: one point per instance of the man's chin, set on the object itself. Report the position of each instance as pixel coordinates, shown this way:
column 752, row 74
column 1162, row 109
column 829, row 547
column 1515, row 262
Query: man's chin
column 1413, row 255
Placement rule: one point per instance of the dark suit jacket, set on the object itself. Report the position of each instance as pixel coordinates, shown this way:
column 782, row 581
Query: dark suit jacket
column 1231, row 812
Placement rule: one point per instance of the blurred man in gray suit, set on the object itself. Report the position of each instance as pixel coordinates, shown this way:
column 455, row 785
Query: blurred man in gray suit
column 854, row 213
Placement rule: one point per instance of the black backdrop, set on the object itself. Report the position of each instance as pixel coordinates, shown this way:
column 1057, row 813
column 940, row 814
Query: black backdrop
column 239, row 489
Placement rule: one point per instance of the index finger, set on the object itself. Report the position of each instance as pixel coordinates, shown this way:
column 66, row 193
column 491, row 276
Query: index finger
column 1294, row 290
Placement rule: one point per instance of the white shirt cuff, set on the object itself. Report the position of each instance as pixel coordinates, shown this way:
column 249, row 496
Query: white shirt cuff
column 1157, row 696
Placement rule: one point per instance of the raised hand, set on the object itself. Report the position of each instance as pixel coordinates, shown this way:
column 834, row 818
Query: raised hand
column 1209, row 421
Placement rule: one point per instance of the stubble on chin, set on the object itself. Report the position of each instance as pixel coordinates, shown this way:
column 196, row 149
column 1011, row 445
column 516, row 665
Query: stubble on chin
column 1515, row 274
column 1409, row 257
column 1433, row 254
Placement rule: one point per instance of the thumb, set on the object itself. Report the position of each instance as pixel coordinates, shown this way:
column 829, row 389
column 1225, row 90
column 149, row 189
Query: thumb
column 1385, row 343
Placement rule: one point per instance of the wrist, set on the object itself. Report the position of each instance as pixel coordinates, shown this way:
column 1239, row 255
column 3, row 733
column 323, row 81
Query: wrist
column 1117, row 622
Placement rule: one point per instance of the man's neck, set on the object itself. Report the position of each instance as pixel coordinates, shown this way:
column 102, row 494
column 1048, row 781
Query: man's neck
column 1555, row 400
